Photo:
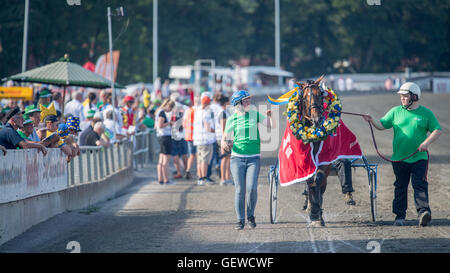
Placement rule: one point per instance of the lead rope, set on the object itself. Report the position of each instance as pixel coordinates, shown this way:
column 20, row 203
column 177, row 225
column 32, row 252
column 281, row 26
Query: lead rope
column 376, row 147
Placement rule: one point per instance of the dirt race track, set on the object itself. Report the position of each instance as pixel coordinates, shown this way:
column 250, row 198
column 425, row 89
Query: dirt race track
column 186, row 218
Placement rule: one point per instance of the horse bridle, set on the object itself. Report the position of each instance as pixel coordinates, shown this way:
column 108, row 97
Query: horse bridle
column 319, row 106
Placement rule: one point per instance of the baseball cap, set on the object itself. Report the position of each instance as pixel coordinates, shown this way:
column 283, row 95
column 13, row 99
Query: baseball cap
column 27, row 121
column 128, row 98
column 12, row 112
column 51, row 118
column 31, row 109
column 206, row 100
column 45, row 93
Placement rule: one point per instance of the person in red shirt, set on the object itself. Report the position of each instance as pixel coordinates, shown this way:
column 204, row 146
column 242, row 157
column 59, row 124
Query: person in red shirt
column 128, row 112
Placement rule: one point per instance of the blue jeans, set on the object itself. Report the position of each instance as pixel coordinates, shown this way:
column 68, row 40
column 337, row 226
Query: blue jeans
column 214, row 160
column 245, row 172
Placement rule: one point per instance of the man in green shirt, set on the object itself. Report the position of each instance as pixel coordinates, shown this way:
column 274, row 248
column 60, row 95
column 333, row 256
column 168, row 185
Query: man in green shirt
column 411, row 123
column 27, row 129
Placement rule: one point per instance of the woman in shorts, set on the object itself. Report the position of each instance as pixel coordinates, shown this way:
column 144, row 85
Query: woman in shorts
column 164, row 134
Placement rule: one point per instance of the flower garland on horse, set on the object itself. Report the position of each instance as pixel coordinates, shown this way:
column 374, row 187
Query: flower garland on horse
column 312, row 133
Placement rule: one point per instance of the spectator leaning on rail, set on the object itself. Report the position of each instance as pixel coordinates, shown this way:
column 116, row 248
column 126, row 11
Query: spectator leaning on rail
column 10, row 139
column 241, row 136
column 85, row 132
column 96, row 136
column 27, row 129
column 411, row 123
column 35, row 115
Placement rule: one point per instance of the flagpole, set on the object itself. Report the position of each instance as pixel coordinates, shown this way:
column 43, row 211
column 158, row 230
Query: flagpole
column 155, row 40
column 277, row 38
column 111, row 64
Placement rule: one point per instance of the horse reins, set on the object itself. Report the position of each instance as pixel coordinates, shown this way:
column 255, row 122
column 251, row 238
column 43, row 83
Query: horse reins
column 376, row 147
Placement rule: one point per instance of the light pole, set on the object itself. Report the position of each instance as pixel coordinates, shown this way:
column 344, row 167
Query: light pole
column 277, row 38
column 25, row 36
column 155, row 40
column 119, row 12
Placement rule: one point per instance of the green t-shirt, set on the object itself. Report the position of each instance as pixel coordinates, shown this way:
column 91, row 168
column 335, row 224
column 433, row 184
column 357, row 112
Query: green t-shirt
column 149, row 122
column 22, row 134
column 245, row 132
column 411, row 128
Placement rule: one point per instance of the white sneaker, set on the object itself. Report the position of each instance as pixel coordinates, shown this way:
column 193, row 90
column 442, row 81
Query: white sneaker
column 201, row 182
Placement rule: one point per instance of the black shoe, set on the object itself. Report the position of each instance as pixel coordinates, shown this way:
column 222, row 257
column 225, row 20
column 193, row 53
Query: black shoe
column 187, row 175
column 424, row 218
column 161, row 182
column 251, row 222
column 239, row 225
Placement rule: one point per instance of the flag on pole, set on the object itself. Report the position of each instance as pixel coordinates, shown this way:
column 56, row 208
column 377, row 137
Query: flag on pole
column 103, row 65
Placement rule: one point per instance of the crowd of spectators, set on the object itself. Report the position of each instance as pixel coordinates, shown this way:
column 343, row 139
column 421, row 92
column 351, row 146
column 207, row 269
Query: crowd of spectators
column 189, row 128
column 88, row 119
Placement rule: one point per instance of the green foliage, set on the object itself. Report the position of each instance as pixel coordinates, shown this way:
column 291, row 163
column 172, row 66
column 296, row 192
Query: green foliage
column 381, row 38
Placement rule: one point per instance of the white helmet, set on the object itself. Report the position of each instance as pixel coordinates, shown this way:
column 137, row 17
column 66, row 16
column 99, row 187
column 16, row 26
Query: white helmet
column 410, row 87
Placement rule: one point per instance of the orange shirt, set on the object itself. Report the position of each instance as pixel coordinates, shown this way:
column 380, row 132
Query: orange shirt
column 188, row 124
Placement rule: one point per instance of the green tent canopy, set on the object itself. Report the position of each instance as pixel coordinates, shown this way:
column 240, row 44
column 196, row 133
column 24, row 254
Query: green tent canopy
column 64, row 73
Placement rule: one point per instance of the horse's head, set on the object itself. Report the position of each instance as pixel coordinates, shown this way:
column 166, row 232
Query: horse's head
column 312, row 101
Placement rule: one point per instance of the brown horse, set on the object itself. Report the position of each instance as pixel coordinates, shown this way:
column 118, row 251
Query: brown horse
column 313, row 113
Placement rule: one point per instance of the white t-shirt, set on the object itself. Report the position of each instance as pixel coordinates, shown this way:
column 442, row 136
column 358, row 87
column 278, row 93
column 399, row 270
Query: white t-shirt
column 75, row 108
column 200, row 135
column 217, row 119
column 177, row 128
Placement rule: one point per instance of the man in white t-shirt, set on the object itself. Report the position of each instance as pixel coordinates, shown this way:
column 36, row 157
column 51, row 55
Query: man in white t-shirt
column 75, row 106
column 204, row 138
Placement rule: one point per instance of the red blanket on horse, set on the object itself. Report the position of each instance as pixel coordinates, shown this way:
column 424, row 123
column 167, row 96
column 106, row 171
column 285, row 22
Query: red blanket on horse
column 297, row 162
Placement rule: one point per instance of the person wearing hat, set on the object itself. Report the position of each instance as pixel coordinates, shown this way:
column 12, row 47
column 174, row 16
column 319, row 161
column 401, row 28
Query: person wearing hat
column 45, row 97
column 72, row 148
column 241, row 137
column 128, row 112
column 415, row 128
column 89, row 116
column 204, row 138
column 34, row 114
column 10, row 139
column 27, row 130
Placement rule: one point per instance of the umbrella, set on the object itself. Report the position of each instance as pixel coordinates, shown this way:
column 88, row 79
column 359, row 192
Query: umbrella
column 64, row 73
